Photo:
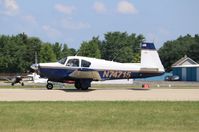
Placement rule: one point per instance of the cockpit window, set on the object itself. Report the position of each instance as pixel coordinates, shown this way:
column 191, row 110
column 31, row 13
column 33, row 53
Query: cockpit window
column 85, row 63
column 62, row 61
column 73, row 63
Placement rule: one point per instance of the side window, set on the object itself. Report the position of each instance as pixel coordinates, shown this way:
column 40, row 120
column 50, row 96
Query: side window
column 85, row 63
column 73, row 63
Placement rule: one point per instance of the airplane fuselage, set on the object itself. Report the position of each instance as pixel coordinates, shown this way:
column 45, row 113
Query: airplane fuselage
column 84, row 70
column 112, row 70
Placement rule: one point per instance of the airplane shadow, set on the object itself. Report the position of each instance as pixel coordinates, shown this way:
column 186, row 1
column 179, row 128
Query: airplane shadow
column 139, row 89
column 62, row 89
column 76, row 90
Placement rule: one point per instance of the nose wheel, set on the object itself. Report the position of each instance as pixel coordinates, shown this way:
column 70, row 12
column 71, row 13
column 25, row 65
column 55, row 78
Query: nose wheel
column 49, row 86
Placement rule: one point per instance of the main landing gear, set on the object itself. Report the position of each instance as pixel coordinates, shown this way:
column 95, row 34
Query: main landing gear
column 82, row 84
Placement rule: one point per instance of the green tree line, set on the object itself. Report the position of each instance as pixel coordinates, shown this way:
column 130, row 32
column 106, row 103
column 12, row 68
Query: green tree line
column 116, row 46
column 17, row 52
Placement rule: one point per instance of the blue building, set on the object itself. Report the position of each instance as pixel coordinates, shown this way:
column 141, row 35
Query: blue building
column 187, row 69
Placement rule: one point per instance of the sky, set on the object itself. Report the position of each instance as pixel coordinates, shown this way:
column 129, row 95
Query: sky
column 75, row 21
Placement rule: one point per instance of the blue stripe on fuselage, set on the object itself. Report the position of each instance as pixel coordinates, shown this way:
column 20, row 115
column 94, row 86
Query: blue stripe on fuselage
column 55, row 73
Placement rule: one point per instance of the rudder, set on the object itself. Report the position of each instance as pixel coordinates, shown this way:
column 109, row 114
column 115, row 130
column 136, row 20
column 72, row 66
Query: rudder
column 150, row 57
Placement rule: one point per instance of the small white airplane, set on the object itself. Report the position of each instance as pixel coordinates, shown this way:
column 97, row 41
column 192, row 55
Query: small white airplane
column 83, row 70
column 36, row 78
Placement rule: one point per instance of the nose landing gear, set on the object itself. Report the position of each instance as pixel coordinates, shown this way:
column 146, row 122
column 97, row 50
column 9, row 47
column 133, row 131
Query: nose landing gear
column 49, row 86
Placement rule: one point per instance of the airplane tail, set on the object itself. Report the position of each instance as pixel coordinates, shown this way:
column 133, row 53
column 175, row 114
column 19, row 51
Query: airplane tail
column 150, row 58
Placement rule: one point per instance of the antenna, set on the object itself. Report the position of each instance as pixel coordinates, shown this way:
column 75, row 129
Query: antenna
column 115, row 56
column 77, row 54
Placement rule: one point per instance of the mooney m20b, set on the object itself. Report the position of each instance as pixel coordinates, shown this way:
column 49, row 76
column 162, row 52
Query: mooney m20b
column 83, row 70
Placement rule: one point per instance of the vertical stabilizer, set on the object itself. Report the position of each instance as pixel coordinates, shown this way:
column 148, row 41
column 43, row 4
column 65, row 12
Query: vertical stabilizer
column 150, row 57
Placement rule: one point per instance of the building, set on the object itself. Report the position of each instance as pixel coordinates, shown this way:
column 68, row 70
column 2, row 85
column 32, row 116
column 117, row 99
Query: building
column 187, row 69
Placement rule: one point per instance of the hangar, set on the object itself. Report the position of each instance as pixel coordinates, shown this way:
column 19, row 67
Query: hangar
column 187, row 69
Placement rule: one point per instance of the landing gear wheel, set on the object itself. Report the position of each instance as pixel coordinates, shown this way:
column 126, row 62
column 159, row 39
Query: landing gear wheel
column 49, row 86
column 82, row 84
column 22, row 84
column 84, row 87
column 77, row 85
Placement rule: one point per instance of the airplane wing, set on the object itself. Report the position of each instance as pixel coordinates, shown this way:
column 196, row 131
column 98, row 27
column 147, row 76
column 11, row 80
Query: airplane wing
column 86, row 74
column 7, row 79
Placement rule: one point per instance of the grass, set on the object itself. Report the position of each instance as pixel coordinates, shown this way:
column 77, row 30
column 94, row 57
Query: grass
column 99, row 116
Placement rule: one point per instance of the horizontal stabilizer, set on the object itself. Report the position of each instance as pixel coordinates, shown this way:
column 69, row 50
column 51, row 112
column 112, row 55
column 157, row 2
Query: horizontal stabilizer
column 149, row 69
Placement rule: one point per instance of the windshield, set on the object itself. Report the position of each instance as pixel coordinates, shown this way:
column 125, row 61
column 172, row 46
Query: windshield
column 62, row 61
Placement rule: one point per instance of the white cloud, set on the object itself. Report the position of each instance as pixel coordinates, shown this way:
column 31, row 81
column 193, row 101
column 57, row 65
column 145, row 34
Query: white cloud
column 70, row 24
column 11, row 7
column 126, row 7
column 30, row 19
column 66, row 9
column 99, row 7
column 52, row 32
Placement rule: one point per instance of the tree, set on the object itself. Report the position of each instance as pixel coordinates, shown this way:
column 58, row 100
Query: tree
column 67, row 51
column 57, row 49
column 17, row 53
column 72, row 51
column 91, row 48
column 193, row 52
column 172, row 51
column 33, row 47
column 46, row 53
column 121, row 47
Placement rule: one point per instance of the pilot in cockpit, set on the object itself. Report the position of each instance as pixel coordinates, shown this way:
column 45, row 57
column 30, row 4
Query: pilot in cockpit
column 73, row 63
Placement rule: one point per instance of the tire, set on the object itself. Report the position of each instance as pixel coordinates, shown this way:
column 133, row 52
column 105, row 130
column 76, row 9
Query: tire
column 84, row 87
column 49, row 86
column 82, row 84
column 12, row 84
column 22, row 84
column 85, row 84
column 77, row 84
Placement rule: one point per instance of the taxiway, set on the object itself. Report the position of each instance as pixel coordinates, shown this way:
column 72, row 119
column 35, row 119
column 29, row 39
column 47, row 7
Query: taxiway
column 34, row 94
